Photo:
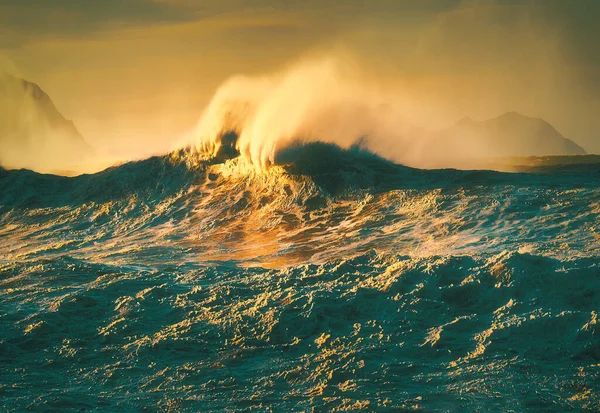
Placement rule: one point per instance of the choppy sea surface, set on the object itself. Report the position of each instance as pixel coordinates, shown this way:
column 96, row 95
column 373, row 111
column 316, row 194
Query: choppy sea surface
column 337, row 281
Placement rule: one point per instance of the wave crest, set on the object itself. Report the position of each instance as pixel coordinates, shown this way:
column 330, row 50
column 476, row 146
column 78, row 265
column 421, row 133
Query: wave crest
column 325, row 100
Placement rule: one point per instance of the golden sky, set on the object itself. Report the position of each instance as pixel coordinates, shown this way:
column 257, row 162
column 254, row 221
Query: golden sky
column 135, row 74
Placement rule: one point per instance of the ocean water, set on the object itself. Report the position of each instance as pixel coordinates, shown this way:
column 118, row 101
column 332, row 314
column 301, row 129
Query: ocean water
column 336, row 281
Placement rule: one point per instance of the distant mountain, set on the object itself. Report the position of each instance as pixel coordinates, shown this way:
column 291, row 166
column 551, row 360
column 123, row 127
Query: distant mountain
column 511, row 134
column 33, row 133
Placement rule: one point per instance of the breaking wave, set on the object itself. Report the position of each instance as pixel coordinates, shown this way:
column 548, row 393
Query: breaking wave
column 310, row 101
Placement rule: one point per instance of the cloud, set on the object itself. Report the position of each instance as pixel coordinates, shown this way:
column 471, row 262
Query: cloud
column 23, row 20
column 8, row 67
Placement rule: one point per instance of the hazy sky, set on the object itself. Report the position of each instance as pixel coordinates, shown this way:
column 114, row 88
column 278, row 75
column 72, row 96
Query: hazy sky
column 137, row 73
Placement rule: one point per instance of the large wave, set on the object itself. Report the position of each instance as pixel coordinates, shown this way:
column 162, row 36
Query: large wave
column 321, row 201
column 327, row 100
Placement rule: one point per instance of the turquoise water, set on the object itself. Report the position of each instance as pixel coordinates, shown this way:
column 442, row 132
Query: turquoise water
column 337, row 282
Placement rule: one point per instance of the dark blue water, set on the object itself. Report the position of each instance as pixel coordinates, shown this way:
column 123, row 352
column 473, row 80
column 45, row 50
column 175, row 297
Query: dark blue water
column 337, row 282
